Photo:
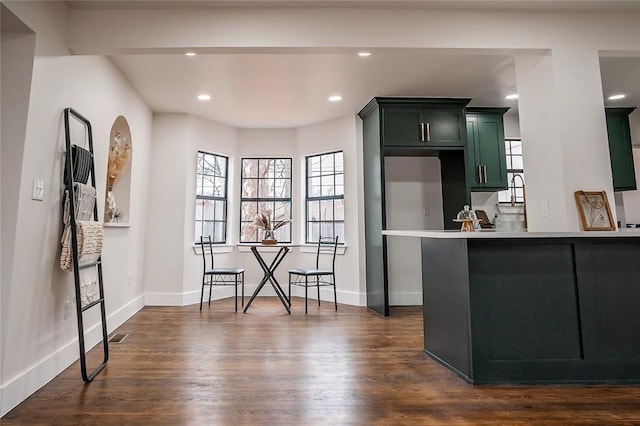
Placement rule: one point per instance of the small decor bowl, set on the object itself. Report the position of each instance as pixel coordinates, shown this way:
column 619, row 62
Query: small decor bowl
column 269, row 242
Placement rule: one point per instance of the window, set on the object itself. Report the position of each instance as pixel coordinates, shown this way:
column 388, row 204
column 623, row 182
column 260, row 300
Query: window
column 515, row 173
column 211, row 197
column 325, row 197
column 265, row 185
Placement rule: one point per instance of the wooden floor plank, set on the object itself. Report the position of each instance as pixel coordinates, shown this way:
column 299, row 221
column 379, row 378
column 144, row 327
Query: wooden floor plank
column 180, row 366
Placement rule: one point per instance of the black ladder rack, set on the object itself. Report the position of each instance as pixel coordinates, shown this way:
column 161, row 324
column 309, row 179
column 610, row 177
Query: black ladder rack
column 69, row 181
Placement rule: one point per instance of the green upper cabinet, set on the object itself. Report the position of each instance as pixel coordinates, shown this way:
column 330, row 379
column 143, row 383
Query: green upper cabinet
column 486, row 160
column 620, row 149
column 417, row 122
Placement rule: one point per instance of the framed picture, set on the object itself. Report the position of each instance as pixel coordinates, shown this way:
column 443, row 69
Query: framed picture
column 595, row 212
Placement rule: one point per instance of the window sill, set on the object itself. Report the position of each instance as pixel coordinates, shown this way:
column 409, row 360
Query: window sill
column 217, row 248
column 313, row 248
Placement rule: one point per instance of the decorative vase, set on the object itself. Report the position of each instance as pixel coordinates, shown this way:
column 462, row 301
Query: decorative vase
column 268, row 238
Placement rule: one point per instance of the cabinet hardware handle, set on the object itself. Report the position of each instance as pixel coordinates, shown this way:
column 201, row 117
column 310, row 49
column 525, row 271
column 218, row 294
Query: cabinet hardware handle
column 479, row 174
column 484, row 166
column 421, row 132
column 428, row 132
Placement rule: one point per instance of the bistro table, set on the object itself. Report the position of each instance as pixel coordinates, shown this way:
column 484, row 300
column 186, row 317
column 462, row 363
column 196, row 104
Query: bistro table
column 269, row 271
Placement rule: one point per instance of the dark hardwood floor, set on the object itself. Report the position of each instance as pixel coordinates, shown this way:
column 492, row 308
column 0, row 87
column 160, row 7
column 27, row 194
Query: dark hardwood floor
column 180, row 366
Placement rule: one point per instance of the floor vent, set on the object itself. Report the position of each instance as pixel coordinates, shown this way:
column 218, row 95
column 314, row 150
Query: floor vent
column 118, row 337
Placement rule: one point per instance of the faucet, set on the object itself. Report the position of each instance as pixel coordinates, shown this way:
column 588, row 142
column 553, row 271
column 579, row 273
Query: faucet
column 524, row 196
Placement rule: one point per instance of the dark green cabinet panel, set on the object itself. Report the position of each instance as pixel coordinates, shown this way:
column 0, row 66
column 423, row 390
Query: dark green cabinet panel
column 486, row 159
column 423, row 126
column 620, row 150
column 396, row 127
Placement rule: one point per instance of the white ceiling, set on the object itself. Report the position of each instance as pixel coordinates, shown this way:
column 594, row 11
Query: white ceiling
column 290, row 88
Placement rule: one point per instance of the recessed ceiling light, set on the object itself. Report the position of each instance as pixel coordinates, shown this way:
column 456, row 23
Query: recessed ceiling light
column 204, row 97
column 190, row 54
column 364, row 54
column 335, row 98
column 616, row 97
column 512, row 96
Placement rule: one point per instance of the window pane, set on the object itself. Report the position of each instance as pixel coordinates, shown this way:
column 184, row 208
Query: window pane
column 282, row 210
column 207, row 186
column 250, row 188
column 326, row 162
column 313, row 166
column 218, row 232
column 517, row 162
column 328, row 183
column 248, row 234
column 282, row 188
column 208, row 210
column 248, row 210
column 339, row 185
column 314, row 187
column 221, row 166
column 220, row 187
column 326, row 210
column 338, row 209
column 340, row 232
column 313, row 210
column 339, row 161
column 265, row 188
column 219, row 210
column 283, row 234
column 313, row 232
column 207, row 228
column 516, row 147
column 326, row 229
column 249, row 168
column 282, row 167
column 199, row 209
column 265, row 168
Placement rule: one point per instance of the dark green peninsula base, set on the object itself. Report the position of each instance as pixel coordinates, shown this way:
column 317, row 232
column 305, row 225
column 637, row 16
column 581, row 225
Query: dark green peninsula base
column 524, row 308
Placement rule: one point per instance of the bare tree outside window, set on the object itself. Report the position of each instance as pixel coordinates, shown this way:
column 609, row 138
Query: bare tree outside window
column 265, row 185
column 211, row 197
column 325, row 197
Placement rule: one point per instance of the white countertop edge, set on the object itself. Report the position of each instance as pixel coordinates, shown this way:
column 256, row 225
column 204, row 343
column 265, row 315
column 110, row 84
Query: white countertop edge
column 491, row 234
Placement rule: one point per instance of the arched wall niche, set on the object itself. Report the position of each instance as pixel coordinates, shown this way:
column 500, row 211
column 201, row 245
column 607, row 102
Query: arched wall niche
column 118, row 184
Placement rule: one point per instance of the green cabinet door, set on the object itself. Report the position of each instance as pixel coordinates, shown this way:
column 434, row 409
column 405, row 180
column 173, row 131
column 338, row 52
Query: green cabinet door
column 486, row 158
column 430, row 127
column 401, row 126
column 620, row 149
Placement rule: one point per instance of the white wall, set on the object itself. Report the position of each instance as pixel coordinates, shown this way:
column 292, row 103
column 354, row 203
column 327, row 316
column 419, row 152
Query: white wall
column 38, row 341
column 413, row 192
column 330, row 136
column 631, row 199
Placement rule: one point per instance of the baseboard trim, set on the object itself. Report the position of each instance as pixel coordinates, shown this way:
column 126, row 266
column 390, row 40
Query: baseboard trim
column 21, row 387
column 409, row 298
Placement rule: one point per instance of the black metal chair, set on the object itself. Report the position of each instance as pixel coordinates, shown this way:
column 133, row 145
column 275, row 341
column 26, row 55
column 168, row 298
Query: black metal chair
column 319, row 276
column 212, row 276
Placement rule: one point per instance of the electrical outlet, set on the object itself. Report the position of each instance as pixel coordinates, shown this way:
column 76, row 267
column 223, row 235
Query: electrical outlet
column 427, row 211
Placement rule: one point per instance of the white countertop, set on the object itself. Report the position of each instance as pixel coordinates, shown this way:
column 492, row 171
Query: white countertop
column 490, row 233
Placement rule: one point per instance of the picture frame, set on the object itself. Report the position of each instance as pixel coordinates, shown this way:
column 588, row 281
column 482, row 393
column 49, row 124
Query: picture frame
column 595, row 213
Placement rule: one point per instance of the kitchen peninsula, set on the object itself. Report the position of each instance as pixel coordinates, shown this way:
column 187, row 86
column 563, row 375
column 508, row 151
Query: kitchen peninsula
column 532, row 307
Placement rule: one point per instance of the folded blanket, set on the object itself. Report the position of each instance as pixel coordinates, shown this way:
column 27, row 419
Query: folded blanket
column 81, row 160
column 90, row 236
column 84, row 200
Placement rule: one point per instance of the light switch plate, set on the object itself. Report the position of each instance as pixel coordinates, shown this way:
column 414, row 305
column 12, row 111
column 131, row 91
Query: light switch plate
column 37, row 192
column 545, row 208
